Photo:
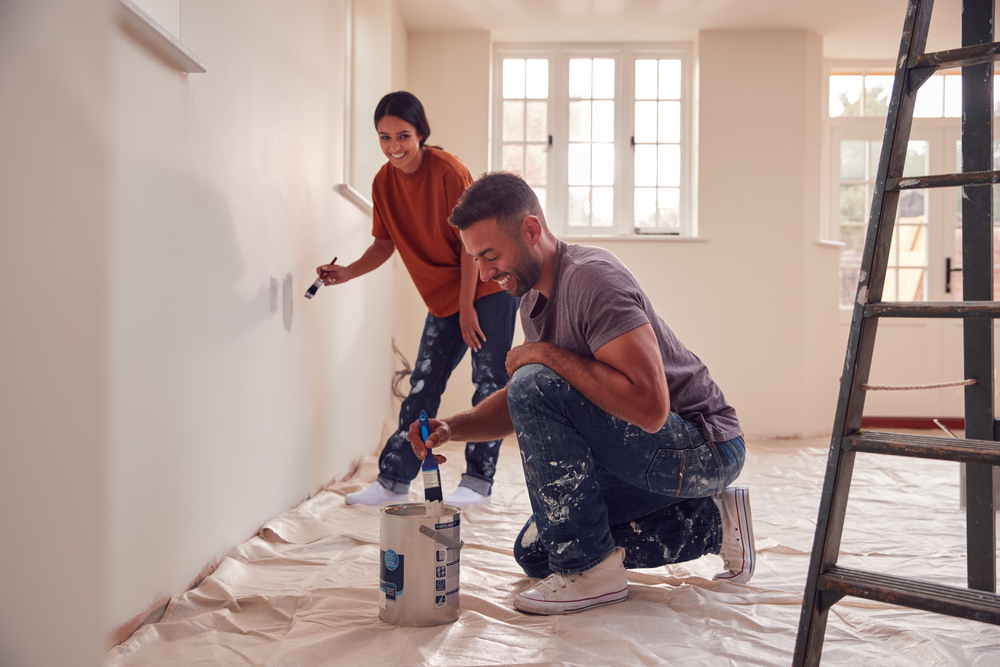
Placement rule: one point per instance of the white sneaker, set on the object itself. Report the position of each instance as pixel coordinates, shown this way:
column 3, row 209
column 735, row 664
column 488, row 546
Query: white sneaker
column 376, row 494
column 463, row 496
column 605, row 583
column 738, row 550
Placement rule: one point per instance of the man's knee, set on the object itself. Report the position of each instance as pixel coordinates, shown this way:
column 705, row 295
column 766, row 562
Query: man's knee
column 529, row 383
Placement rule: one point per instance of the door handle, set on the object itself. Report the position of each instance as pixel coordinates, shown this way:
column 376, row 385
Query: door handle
column 947, row 274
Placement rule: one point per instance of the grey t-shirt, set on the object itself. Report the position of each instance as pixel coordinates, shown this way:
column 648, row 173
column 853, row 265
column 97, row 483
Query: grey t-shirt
column 595, row 299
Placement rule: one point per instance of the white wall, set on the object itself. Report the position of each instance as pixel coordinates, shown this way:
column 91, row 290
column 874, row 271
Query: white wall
column 54, row 232
column 231, row 402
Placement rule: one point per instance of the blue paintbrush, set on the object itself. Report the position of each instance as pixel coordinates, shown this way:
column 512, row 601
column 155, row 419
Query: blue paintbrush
column 432, row 474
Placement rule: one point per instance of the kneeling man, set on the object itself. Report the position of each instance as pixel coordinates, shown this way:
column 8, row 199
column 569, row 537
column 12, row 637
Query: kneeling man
column 628, row 445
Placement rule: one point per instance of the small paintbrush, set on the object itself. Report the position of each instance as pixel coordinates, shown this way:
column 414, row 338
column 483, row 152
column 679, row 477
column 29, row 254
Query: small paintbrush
column 432, row 474
column 311, row 292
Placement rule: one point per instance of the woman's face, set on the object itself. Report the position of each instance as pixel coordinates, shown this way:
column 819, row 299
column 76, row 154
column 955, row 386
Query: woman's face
column 400, row 143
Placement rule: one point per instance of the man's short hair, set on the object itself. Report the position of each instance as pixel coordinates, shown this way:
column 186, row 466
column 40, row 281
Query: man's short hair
column 501, row 195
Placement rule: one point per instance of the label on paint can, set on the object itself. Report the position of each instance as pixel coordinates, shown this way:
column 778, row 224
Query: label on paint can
column 446, row 566
column 391, row 579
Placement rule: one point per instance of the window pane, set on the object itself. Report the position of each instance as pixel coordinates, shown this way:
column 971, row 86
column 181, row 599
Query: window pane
column 916, row 159
column 579, row 207
column 877, row 92
column 852, row 160
column 669, row 200
column 852, row 203
column 953, row 96
column 536, row 162
column 889, row 291
column 603, row 165
column 645, row 165
column 537, row 124
column 911, row 284
column 645, row 79
column 579, row 77
column 845, row 95
column 604, row 207
column 670, row 79
column 853, row 239
column 848, row 286
column 513, row 158
column 669, row 165
column 513, row 120
column 579, row 121
column 912, row 245
column 930, row 98
column 513, row 77
column 912, row 206
column 874, row 155
column 579, row 164
column 604, row 78
column 645, row 207
column 537, row 78
column 645, row 122
column 540, row 193
column 670, row 122
column 604, row 121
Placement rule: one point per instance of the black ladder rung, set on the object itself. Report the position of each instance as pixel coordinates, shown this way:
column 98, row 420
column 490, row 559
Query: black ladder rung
column 953, row 58
column 924, row 447
column 949, row 600
column 943, row 180
column 958, row 309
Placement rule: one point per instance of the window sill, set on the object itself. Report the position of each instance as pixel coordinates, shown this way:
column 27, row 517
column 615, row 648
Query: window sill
column 157, row 39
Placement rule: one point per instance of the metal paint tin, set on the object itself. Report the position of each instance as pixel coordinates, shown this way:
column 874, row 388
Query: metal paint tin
column 419, row 565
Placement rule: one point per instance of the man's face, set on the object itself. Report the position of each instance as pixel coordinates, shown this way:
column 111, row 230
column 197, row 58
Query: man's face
column 507, row 260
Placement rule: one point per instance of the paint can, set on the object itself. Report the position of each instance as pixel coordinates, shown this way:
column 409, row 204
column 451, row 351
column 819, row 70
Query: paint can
column 419, row 566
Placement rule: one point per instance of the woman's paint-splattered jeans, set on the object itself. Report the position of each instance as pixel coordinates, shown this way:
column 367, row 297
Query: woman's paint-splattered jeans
column 441, row 348
column 596, row 481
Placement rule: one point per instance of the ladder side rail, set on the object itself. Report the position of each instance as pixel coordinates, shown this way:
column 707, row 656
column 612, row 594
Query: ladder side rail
column 857, row 364
column 977, row 282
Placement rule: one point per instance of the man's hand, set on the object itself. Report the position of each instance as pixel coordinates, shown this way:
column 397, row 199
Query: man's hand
column 440, row 434
column 528, row 353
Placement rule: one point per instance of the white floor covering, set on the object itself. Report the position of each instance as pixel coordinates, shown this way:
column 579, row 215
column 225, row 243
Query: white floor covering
column 305, row 591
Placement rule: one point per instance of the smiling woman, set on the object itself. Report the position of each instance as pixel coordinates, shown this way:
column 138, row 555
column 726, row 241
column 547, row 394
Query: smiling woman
column 413, row 194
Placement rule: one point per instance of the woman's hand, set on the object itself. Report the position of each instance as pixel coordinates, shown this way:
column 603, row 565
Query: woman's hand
column 334, row 274
column 473, row 336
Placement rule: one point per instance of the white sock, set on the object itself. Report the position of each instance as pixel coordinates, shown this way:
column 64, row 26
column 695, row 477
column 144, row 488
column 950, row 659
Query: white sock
column 463, row 496
column 376, row 494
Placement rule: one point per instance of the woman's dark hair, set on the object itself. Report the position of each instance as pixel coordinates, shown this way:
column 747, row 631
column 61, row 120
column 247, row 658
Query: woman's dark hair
column 407, row 107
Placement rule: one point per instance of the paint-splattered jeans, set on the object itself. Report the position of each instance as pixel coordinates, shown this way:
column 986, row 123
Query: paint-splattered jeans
column 441, row 348
column 596, row 481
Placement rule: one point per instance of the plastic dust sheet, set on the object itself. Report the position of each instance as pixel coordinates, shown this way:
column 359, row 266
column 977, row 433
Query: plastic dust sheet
column 305, row 590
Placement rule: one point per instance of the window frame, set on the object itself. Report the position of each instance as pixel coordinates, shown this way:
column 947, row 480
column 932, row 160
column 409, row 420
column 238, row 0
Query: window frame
column 557, row 192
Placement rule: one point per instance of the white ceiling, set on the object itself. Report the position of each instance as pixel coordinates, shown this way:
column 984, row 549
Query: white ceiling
column 850, row 28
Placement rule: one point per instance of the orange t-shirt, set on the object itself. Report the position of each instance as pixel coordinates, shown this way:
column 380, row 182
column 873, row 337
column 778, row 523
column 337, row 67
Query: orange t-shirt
column 412, row 210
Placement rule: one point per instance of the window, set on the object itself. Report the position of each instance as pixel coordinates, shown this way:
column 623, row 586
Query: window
column 858, row 106
column 602, row 134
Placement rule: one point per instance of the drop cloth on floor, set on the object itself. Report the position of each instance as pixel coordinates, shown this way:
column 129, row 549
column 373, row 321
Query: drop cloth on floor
column 305, row 590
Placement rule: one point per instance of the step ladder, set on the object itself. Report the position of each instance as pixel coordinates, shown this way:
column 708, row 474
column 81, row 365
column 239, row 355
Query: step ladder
column 826, row 582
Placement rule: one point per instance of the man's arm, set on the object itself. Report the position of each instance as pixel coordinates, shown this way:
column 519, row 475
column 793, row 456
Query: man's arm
column 625, row 378
column 490, row 420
